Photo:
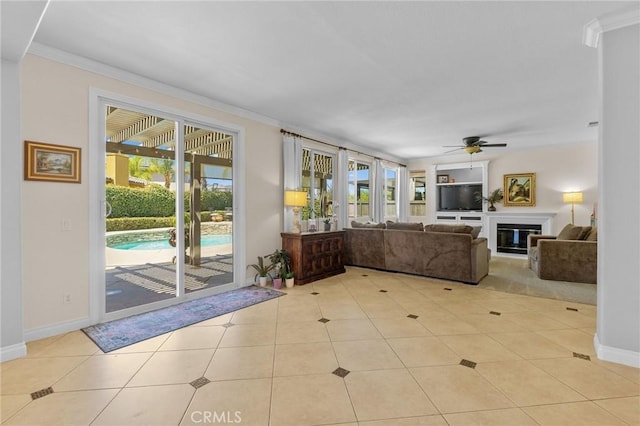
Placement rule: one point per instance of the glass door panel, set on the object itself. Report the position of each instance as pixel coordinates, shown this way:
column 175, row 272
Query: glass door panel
column 209, row 206
column 140, row 195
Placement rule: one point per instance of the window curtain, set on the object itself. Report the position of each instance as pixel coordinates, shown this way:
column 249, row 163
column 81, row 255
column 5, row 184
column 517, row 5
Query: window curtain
column 292, row 148
column 402, row 194
column 341, row 195
column 379, row 199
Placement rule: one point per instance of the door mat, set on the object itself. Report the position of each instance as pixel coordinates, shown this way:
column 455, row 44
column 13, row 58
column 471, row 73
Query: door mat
column 117, row 334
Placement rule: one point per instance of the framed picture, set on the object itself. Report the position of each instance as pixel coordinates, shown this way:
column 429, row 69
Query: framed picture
column 54, row 163
column 443, row 178
column 520, row 190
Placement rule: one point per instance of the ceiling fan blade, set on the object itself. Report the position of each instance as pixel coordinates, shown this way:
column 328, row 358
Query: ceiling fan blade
column 452, row 150
column 494, row 144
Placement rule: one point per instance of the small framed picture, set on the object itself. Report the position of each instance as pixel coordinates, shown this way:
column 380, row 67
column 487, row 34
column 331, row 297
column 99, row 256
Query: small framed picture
column 53, row 163
column 443, row 178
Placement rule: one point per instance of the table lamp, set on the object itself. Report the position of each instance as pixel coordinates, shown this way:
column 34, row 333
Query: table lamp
column 295, row 199
column 573, row 198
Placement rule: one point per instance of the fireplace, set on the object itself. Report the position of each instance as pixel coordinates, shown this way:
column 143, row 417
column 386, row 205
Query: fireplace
column 512, row 237
column 541, row 222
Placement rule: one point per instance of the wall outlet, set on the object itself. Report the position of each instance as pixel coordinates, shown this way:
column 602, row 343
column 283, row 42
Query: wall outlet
column 66, row 298
column 65, row 225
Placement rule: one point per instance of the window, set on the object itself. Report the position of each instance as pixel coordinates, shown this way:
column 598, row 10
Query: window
column 390, row 193
column 359, row 190
column 417, row 193
column 317, row 181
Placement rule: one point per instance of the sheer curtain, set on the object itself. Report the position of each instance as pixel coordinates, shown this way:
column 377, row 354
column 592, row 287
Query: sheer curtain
column 292, row 148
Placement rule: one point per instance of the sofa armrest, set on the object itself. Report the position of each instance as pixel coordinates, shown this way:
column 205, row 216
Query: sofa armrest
column 479, row 259
column 532, row 239
column 567, row 260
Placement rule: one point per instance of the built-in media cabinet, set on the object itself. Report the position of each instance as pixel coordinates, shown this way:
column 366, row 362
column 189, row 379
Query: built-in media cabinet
column 456, row 191
column 314, row 255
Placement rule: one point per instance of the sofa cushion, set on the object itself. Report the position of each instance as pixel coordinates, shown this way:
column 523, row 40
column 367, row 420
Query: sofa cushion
column 405, row 226
column 570, row 232
column 355, row 224
column 441, row 227
column 593, row 235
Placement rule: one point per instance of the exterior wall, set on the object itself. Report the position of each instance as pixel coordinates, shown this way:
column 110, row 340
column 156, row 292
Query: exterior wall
column 55, row 109
column 558, row 169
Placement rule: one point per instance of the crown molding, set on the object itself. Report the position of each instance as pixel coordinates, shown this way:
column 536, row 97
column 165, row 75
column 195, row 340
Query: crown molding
column 594, row 29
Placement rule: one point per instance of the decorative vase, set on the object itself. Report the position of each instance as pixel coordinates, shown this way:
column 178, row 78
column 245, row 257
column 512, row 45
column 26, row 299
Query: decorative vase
column 289, row 282
column 277, row 283
column 492, row 208
column 263, row 281
column 327, row 226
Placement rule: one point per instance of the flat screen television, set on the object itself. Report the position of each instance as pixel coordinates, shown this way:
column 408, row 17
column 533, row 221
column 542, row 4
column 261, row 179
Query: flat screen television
column 460, row 197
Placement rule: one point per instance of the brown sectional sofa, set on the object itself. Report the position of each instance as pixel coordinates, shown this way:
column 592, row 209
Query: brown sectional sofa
column 442, row 251
column 572, row 255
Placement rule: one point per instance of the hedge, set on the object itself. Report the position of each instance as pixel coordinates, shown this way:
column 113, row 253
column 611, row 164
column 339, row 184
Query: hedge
column 131, row 223
column 158, row 201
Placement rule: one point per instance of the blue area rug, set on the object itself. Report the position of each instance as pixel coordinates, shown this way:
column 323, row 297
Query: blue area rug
column 117, row 334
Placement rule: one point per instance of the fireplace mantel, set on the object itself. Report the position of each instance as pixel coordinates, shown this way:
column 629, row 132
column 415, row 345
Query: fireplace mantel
column 544, row 219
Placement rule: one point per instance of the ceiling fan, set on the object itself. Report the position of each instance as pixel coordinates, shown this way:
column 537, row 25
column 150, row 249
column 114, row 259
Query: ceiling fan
column 473, row 145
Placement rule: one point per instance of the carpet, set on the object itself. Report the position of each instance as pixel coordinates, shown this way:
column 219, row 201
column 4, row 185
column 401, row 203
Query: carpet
column 117, row 334
column 514, row 276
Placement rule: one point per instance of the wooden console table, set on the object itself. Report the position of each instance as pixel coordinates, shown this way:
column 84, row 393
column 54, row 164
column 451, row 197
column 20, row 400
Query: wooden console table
column 314, row 255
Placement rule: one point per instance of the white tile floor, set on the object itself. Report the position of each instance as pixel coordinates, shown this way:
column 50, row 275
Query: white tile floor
column 274, row 365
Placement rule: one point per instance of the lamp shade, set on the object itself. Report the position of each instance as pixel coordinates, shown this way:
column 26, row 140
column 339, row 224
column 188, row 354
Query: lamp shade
column 572, row 197
column 295, row 198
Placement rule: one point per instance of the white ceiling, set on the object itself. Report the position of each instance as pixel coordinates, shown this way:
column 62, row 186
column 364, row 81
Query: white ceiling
column 403, row 78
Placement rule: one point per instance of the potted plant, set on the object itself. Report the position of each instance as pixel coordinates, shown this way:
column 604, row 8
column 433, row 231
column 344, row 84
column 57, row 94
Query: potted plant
column 279, row 259
column 283, row 261
column 494, row 197
column 262, row 271
column 327, row 224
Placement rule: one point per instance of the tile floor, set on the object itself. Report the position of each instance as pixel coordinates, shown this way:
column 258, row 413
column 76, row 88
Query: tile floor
column 396, row 350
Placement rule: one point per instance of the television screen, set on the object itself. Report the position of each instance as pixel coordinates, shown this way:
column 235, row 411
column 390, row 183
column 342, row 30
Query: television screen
column 459, row 197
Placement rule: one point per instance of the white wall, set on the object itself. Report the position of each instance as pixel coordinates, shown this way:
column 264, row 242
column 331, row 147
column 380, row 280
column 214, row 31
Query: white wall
column 618, row 325
column 11, row 335
column 558, row 169
column 55, row 109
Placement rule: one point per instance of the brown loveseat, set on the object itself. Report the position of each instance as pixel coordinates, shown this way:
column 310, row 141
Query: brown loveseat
column 442, row 251
column 570, row 256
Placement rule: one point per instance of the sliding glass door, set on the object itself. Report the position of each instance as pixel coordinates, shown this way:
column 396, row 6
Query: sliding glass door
column 151, row 253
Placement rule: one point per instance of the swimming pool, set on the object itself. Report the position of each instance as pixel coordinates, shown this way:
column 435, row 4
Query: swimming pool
column 158, row 241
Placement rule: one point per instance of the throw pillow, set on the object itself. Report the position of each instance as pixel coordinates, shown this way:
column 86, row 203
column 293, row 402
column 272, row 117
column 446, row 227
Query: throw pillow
column 355, row 224
column 439, row 227
column 405, row 226
column 593, row 235
column 569, row 232
column 584, row 233
column 476, row 231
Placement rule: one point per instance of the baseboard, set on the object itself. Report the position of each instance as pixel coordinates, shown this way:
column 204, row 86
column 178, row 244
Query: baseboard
column 8, row 353
column 619, row 356
column 55, row 329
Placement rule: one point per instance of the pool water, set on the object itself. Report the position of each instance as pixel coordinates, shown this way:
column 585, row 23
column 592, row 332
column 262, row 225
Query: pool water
column 205, row 241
